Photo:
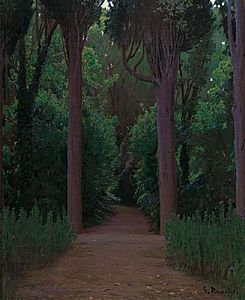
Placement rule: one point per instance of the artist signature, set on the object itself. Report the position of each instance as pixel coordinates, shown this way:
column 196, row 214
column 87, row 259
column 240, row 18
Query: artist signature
column 213, row 290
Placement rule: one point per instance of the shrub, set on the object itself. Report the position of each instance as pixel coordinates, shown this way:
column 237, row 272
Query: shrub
column 31, row 239
column 213, row 245
column 100, row 159
column 210, row 140
column 48, row 189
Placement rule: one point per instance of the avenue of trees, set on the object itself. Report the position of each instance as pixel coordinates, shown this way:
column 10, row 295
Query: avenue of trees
column 151, row 36
column 141, row 102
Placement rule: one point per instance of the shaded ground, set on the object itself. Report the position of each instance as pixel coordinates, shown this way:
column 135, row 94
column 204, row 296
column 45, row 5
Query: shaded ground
column 120, row 259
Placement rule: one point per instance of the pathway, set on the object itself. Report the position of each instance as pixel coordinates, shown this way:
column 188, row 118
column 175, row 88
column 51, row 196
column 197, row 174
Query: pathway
column 118, row 260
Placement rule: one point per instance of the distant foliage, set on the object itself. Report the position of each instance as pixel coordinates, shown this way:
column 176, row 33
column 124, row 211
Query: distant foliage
column 212, row 246
column 143, row 151
column 100, row 163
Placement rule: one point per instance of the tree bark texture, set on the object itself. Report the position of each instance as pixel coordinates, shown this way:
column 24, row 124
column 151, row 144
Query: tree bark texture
column 163, row 53
column 166, row 149
column 239, row 107
column 74, row 193
column 1, row 124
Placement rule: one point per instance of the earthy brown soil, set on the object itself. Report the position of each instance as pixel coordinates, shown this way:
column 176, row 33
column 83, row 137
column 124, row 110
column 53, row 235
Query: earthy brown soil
column 120, row 259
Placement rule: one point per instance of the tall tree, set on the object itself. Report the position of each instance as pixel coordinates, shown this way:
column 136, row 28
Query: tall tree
column 14, row 22
column 1, row 119
column 75, row 18
column 160, row 30
column 27, row 90
column 237, row 47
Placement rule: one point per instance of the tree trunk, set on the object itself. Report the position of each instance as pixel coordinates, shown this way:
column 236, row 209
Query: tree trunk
column 1, row 127
column 74, row 194
column 165, row 93
column 26, row 96
column 239, row 108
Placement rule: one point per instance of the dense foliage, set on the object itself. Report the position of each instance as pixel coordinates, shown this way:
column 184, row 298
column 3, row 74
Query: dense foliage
column 100, row 161
column 132, row 20
column 15, row 18
column 143, row 150
column 62, row 9
column 100, row 153
column 213, row 172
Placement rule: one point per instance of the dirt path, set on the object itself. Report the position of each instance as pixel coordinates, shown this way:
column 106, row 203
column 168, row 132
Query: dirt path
column 118, row 260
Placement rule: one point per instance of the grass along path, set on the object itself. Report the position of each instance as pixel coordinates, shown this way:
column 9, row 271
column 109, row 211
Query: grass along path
column 120, row 259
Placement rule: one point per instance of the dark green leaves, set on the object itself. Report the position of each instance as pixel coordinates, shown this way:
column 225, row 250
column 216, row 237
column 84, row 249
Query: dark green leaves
column 62, row 10
column 15, row 16
column 131, row 19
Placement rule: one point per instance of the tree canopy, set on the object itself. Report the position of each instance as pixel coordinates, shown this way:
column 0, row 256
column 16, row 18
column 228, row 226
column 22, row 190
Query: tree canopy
column 157, row 25
column 62, row 10
column 15, row 18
